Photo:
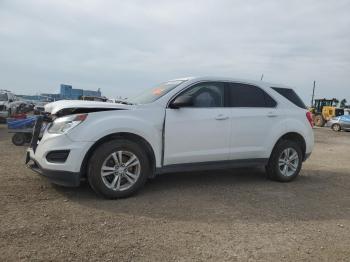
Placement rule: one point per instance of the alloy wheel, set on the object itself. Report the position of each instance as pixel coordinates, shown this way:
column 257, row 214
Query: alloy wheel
column 288, row 162
column 336, row 127
column 120, row 170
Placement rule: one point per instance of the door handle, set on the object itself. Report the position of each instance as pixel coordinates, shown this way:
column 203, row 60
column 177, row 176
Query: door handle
column 271, row 114
column 221, row 117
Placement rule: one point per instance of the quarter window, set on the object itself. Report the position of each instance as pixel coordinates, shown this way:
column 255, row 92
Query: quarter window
column 244, row 95
column 291, row 96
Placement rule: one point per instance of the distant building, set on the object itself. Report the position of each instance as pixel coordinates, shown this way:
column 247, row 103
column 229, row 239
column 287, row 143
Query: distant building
column 68, row 92
column 51, row 97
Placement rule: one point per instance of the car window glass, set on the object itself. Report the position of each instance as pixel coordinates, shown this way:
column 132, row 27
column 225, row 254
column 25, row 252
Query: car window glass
column 244, row 95
column 291, row 96
column 207, row 95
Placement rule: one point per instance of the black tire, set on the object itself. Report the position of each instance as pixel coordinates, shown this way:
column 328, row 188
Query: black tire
column 102, row 153
column 336, row 127
column 18, row 139
column 273, row 170
column 28, row 138
column 319, row 121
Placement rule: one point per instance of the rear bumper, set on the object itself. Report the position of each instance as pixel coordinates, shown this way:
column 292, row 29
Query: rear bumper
column 63, row 178
column 331, row 122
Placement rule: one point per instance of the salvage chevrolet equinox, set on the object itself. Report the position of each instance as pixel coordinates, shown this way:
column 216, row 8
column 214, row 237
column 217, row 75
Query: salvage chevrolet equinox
column 195, row 123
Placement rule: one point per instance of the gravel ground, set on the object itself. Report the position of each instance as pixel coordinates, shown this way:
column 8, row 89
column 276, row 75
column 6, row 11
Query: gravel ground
column 231, row 215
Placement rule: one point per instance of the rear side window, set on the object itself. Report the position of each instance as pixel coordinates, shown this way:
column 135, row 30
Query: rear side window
column 291, row 96
column 243, row 95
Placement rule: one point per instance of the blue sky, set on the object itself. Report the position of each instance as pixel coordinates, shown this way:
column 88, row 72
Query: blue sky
column 123, row 47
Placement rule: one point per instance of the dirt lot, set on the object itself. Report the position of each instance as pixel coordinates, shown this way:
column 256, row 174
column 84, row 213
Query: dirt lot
column 230, row 215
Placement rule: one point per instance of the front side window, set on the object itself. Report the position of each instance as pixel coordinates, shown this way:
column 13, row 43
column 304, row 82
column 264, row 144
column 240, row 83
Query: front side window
column 209, row 94
column 244, row 95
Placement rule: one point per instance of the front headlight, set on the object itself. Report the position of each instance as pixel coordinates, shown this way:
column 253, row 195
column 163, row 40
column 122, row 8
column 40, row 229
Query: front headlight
column 63, row 124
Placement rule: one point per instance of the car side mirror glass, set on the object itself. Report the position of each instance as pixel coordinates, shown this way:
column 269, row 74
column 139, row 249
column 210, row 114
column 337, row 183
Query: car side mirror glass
column 181, row 101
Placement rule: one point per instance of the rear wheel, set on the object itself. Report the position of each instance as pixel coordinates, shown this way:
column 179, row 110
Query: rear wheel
column 336, row 127
column 319, row 121
column 118, row 168
column 285, row 161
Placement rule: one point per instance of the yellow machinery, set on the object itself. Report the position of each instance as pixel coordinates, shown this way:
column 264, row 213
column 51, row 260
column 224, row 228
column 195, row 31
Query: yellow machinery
column 324, row 109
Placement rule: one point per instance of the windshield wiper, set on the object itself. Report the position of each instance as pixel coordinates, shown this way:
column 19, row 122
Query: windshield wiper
column 124, row 102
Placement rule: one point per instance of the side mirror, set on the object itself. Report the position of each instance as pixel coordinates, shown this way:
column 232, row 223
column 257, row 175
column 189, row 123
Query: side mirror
column 10, row 100
column 181, row 101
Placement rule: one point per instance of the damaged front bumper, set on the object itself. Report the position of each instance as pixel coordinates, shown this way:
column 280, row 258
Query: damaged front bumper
column 58, row 177
column 63, row 171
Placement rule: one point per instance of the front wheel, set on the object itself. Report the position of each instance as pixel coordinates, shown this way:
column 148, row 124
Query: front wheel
column 118, row 168
column 285, row 162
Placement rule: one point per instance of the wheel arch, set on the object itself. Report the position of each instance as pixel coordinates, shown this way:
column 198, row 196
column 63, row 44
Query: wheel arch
column 296, row 137
column 120, row 135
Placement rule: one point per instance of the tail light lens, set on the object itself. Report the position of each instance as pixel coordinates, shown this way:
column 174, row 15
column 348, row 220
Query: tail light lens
column 309, row 117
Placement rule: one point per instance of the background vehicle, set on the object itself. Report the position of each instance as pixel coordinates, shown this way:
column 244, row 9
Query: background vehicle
column 340, row 123
column 6, row 99
column 39, row 108
column 181, row 125
column 93, row 98
column 22, row 130
column 324, row 109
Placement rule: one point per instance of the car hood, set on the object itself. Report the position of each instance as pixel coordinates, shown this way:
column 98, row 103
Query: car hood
column 57, row 106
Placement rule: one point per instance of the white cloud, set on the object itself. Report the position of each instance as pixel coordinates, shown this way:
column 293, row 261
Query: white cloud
column 124, row 46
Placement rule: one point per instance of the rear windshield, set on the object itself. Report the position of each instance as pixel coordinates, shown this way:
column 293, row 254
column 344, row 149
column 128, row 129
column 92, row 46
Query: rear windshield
column 291, row 96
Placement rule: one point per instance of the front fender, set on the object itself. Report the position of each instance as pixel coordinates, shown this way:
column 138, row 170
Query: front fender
column 98, row 125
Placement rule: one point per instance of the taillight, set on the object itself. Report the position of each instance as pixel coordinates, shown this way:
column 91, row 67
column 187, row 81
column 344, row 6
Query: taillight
column 309, row 117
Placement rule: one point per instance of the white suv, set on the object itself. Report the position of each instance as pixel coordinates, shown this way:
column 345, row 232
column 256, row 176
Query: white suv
column 6, row 103
column 194, row 123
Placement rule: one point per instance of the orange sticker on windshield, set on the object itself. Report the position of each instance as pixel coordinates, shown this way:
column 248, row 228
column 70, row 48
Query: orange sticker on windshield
column 158, row 91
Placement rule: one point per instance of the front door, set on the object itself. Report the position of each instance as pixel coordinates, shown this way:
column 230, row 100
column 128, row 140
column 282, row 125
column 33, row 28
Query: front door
column 200, row 132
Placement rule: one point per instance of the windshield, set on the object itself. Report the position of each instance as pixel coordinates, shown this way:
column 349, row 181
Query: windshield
column 3, row 97
column 154, row 93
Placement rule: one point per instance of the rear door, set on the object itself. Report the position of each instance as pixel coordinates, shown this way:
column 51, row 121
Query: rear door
column 201, row 132
column 254, row 115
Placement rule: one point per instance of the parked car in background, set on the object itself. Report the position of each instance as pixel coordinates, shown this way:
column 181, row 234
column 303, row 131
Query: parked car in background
column 187, row 124
column 339, row 123
column 7, row 98
column 93, row 98
column 39, row 108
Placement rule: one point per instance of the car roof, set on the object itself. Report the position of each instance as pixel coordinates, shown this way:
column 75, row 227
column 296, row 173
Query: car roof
column 230, row 79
